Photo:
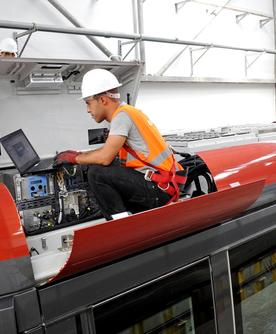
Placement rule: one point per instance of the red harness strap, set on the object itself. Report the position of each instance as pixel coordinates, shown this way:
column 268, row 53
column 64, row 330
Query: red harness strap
column 166, row 180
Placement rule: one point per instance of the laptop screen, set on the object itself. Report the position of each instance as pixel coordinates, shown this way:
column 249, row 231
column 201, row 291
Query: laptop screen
column 20, row 150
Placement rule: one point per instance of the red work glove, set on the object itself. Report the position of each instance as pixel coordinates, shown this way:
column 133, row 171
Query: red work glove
column 66, row 157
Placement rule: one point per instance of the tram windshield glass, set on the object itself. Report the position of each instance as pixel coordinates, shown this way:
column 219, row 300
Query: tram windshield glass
column 178, row 303
column 254, row 286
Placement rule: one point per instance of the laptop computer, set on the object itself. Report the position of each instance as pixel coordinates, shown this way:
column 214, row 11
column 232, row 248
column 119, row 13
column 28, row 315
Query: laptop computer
column 23, row 155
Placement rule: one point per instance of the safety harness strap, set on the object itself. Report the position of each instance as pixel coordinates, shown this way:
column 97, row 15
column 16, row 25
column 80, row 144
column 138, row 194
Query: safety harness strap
column 166, row 180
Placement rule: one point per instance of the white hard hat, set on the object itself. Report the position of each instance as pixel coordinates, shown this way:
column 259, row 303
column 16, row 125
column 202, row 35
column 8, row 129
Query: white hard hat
column 8, row 45
column 98, row 81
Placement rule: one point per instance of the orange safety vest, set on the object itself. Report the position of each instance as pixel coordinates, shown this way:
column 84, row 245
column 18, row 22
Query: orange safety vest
column 160, row 155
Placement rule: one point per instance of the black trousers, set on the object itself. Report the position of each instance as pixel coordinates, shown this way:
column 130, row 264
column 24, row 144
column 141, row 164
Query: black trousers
column 118, row 189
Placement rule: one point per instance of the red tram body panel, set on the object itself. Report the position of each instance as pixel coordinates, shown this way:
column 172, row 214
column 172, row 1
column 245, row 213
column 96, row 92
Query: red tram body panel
column 236, row 165
column 12, row 238
column 111, row 240
column 240, row 174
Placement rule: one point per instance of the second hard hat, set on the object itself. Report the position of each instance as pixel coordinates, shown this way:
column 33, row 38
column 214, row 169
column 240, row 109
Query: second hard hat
column 98, row 81
column 8, row 45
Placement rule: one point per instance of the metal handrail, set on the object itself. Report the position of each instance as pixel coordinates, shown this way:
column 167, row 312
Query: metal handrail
column 109, row 34
column 166, row 66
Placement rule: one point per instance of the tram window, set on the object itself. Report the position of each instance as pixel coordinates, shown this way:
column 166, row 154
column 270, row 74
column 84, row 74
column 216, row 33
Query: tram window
column 178, row 303
column 254, row 285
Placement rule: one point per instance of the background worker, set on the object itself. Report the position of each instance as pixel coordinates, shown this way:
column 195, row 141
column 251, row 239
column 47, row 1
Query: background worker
column 132, row 185
column 8, row 48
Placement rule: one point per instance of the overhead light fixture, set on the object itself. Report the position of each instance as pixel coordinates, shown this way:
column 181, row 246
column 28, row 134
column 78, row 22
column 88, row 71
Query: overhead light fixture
column 41, row 80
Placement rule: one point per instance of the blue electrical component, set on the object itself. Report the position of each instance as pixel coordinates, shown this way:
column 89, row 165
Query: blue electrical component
column 37, row 186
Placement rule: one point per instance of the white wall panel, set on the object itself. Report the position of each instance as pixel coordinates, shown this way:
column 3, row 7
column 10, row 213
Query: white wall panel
column 202, row 106
column 52, row 122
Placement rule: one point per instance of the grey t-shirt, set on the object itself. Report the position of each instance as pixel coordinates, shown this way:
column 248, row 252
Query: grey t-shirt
column 122, row 125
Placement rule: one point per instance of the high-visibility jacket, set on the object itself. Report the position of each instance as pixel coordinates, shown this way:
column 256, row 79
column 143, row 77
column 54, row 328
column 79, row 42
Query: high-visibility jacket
column 160, row 154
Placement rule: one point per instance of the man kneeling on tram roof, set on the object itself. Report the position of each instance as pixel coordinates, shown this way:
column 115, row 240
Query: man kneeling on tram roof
column 148, row 175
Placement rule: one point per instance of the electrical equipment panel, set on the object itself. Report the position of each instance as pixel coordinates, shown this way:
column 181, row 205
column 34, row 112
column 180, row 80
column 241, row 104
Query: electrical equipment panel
column 33, row 186
column 52, row 200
